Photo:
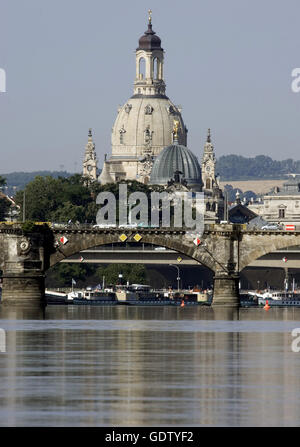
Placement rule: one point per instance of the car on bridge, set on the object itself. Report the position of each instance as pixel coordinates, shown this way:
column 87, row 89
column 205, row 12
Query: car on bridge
column 128, row 226
column 272, row 226
column 59, row 225
column 104, row 226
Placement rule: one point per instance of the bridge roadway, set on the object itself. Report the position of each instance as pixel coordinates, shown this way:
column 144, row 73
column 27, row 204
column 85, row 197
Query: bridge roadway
column 26, row 253
column 288, row 258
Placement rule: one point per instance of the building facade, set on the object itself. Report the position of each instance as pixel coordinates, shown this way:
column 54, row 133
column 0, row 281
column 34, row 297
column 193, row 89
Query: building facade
column 282, row 205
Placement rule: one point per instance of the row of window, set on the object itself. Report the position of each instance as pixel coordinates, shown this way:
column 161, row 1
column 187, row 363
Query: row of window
column 142, row 68
column 147, row 135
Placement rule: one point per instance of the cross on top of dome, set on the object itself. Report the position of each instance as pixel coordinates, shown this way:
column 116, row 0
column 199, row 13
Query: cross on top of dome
column 149, row 41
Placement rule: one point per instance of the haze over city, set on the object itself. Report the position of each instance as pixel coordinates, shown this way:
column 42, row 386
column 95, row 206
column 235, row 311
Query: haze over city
column 69, row 65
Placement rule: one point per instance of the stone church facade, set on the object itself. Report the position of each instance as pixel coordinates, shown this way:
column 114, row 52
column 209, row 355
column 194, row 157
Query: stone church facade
column 144, row 124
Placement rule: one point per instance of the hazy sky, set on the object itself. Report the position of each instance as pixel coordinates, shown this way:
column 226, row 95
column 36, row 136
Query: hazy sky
column 71, row 63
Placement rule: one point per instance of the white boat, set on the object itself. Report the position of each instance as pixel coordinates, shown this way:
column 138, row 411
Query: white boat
column 266, row 295
column 53, row 297
column 73, row 295
column 276, row 297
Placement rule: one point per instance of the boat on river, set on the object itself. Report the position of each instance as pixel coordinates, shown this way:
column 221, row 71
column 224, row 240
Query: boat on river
column 55, row 297
column 87, row 296
column 92, row 297
column 134, row 295
column 276, row 298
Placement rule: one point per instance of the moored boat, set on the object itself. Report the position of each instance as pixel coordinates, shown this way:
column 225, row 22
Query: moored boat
column 276, row 298
column 135, row 294
column 92, row 297
column 54, row 297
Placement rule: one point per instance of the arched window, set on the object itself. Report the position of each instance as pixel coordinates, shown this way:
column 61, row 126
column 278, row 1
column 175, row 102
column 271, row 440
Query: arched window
column 207, row 185
column 147, row 135
column 142, row 68
column 208, row 206
column 122, row 132
column 156, row 68
column 281, row 213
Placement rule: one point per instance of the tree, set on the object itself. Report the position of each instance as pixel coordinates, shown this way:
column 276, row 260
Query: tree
column 236, row 167
column 5, row 204
column 68, row 211
column 4, row 207
column 61, row 274
column 61, row 199
column 132, row 273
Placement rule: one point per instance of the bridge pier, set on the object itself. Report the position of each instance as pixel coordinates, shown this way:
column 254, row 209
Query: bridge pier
column 23, row 289
column 23, row 269
column 226, row 290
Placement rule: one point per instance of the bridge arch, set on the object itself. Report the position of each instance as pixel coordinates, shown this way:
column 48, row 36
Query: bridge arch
column 78, row 241
column 256, row 245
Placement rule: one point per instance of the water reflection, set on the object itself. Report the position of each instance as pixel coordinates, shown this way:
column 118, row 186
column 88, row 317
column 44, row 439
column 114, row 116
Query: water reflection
column 22, row 313
column 142, row 366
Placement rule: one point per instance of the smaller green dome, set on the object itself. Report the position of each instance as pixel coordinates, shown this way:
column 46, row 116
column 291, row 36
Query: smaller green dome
column 176, row 158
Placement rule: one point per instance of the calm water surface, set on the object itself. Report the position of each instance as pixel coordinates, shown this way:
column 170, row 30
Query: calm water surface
column 142, row 366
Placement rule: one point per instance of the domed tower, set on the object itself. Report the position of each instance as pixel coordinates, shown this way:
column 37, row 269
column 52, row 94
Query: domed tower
column 213, row 195
column 208, row 164
column 144, row 124
column 90, row 159
column 174, row 161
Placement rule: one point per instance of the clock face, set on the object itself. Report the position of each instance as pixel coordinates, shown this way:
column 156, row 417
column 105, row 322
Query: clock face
column 89, row 167
column 24, row 245
column 207, row 168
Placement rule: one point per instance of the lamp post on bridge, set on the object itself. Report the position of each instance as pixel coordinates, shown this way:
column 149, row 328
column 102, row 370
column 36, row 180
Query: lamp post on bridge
column 24, row 205
column 178, row 275
column 120, row 278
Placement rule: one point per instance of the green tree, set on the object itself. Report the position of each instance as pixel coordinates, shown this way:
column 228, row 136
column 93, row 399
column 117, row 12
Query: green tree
column 5, row 204
column 4, row 207
column 236, row 167
column 50, row 199
column 132, row 273
column 61, row 274
column 68, row 211
column 41, row 198
column 60, row 199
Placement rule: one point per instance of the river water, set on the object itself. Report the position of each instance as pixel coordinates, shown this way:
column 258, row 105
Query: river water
column 143, row 366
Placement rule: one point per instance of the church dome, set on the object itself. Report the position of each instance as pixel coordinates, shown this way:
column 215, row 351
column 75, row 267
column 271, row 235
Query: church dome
column 145, row 120
column 144, row 124
column 176, row 158
column 149, row 41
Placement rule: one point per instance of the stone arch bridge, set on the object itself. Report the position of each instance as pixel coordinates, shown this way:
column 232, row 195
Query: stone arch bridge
column 225, row 249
